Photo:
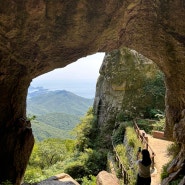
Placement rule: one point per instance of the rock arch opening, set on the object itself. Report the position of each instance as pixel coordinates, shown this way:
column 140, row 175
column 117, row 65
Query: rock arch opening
column 72, row 75
column 39, row 36
column 131, row 64
column 56, row 95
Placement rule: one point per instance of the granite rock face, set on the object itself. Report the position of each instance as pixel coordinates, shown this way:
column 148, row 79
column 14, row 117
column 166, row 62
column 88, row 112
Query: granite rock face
column 37, row 36
column 122, row 86
column 121, row 91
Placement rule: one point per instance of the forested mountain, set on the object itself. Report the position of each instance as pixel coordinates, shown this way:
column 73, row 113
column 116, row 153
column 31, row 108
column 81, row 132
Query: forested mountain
column 42, row 131
column 59, row 101
column 57, row 112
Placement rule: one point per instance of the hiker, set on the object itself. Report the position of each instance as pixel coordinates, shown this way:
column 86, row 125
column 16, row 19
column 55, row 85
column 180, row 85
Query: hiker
column 143, row 177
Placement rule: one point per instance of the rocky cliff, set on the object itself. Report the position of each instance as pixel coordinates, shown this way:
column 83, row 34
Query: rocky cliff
column 126, row 89
column 122, row 87
column 37, row 36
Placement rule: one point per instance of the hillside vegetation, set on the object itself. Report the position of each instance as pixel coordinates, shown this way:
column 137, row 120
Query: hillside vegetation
column 86, row 155
column 59, row 101
column 81, row 158
column 55, row 113
column 42, row 131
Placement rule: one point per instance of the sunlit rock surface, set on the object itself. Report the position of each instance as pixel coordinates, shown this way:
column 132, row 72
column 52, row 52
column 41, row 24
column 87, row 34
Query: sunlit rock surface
column 60, row 179
column 105, row 178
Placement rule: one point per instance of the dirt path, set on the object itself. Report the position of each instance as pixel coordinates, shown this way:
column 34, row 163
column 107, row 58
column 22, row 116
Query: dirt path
column 159, row 147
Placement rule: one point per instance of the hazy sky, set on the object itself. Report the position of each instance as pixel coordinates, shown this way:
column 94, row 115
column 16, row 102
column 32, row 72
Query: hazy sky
column 79, row 77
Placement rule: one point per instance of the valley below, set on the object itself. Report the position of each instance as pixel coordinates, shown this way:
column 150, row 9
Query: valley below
column 54, row 114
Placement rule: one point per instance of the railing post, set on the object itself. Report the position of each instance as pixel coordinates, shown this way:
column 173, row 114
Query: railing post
column 143, row 138
column 143, row 134
column 122, row 170
column 125, row 177
column 147, row 146
column 146, row 139
column 153, row 160
column 119, row 164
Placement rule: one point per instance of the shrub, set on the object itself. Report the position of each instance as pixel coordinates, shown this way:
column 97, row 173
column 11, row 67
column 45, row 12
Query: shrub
column 177, row 181
column 173, row 149
column 76, row 170
column 86, row 131
column 153, row 113
column 159, row 125
column 118, row 134
column 121, row 151
column 119, row 173
column 96, row 161
column 145, row 124
column 86, row 163
column 88, row 180
column 164, row 172
column 127, row 153
column 123, row 116
column 7, row 182
column 132, row 139
column 33, row 174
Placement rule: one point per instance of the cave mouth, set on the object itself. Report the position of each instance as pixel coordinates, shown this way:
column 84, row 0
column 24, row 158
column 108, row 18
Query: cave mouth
column 60, row 72
column 36, row 35
column 78, row 78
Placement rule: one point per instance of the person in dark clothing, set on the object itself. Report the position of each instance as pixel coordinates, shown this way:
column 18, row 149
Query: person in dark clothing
column 143, row 177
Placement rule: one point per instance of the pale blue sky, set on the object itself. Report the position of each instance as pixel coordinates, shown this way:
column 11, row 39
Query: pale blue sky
column 79, row 77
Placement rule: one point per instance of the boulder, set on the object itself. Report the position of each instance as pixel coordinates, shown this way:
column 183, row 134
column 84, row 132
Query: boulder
column 105, row 178
column 60, row 179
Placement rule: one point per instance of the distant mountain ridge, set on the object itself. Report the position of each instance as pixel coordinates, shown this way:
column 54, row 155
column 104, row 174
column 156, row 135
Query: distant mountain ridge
column 44, row 101
column 57, row 112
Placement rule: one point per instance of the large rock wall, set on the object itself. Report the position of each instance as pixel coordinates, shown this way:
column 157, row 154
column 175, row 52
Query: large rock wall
column 37, row 36
column 121, row 88
column 120, row 91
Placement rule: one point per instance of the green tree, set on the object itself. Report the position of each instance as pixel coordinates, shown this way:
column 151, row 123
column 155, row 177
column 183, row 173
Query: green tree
column 51, row 151
column 155, row 87
column 46, row 158
column 48, row 152
column 86, row 131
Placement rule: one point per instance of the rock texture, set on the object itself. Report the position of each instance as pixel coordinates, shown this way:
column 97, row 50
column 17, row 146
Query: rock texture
column 121, row 88
column 60, row 179
column 105, row 178
column 37, row 36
